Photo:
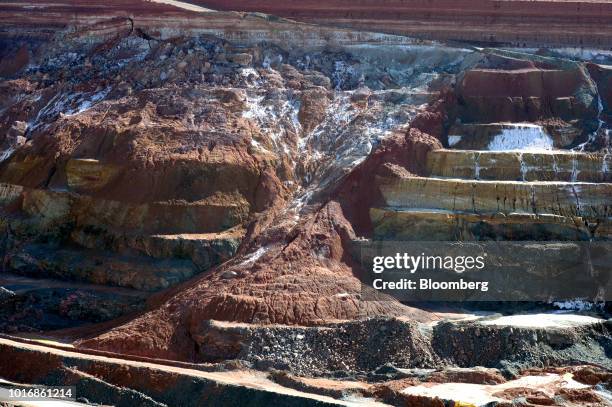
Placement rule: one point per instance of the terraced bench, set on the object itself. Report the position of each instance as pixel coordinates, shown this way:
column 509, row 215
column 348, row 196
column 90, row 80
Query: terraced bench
column 521, row 166
column 500, row 195
column 486, row 197
column 428, row 225
column 167, row 217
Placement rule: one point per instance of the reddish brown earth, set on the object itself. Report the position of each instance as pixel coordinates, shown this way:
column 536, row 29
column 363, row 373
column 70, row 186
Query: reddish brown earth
column 171, row 149
column 289, row 284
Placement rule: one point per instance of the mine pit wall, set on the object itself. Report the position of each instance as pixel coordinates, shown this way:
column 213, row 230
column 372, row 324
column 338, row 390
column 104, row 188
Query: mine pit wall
column 34, row 27
column 95, row 218
column 20, row 42
column 245, row 28
column 518, row 23
column 251, row 30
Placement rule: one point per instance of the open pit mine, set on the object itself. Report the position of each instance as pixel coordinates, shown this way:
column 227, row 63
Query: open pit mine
column 186, row 188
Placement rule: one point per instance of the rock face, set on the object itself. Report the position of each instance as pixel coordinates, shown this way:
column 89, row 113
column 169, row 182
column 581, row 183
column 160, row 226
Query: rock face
column 492, row 195
column 558, row 165
column 602, row 75
column 198, row 191
column 521, row 340
column 353, row 346
column 141, row 273
column 557, row 198
column 527, row 94
column 559, row 95
column 84, row 174
column 520, row 23
column 143, row 181
column 503, row 136
column 38, row 304
column 432, row 225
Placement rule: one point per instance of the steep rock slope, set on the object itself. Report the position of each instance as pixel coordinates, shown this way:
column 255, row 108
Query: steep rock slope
column 138, row 161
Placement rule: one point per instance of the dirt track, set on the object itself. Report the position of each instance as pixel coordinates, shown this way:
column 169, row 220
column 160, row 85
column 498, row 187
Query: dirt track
column 20, row 353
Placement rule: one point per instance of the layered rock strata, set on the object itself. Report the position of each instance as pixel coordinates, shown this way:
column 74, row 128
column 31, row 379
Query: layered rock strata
column 557, row 198
column 520, row 23
column 216, row 179
column 147, row 159
column 491, row 195
column 558, row 165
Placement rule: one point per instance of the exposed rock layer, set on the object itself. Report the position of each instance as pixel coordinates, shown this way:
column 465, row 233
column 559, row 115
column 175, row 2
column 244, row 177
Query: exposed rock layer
column 235, row 169
column 531, row 23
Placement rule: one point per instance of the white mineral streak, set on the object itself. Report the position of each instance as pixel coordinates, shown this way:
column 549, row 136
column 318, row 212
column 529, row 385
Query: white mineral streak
column 542, row 320
column 521, row 136
column 183, row 5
